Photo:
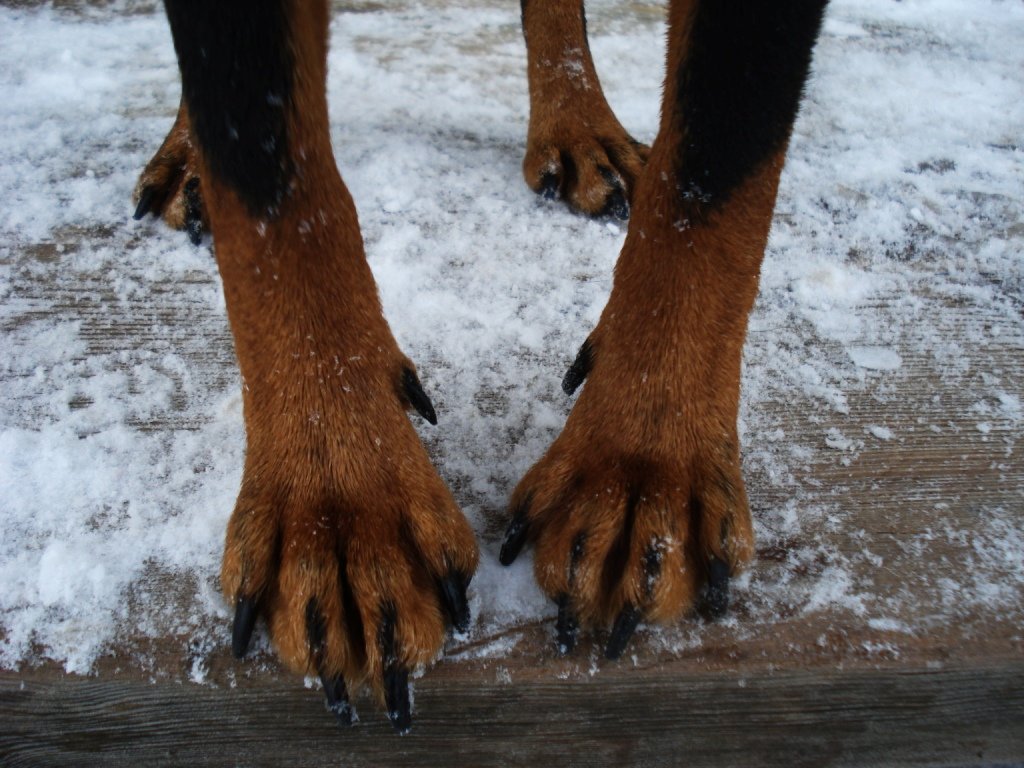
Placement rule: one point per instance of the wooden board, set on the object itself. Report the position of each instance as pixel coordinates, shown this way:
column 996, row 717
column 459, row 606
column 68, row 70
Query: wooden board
column 663, row 715
column 911, row 522
column 815, row 689
column 819, row 688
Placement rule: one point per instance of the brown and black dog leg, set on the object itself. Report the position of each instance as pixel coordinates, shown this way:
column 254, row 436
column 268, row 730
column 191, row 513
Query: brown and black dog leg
column 576, row 149
column 169, row 184
column 638, row 509
column 343, row 538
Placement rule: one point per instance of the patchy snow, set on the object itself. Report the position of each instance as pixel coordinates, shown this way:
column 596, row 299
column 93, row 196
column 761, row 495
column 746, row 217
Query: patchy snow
column 121, row 439
column 882, row 433
column 876, row 358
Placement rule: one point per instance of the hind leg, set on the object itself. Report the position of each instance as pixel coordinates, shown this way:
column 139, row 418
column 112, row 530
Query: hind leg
column 169, row 184
column 576, row 149
column 639, row 507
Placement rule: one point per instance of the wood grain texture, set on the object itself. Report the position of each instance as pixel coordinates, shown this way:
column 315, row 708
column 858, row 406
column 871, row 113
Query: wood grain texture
column 913, row 523
column 954, row 716
column 777, row 685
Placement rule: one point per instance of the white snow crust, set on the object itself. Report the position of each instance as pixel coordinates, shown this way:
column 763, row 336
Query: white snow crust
column 119, row 462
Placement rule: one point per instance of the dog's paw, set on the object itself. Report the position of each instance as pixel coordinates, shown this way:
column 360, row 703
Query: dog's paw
column 584, row 158
column 169, row 184
column 638, row 511
column 348, row 543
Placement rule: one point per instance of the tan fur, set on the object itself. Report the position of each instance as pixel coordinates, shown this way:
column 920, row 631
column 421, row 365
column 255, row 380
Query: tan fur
column 573, row 132
column 339, row 503
column 653, row 433
column 334, row 471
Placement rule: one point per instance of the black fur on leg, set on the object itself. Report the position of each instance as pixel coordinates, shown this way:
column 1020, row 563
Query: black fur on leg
column 237, row 72
column 738, row 90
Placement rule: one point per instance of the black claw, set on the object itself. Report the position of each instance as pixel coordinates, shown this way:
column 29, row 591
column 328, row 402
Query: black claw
column 623, row 629
column 453, row 597
column 580, row 368
column 396, row 692
column 549, row 186
column 716, row 598
column 241, row 631
column 146, row 198
column 193, row 211
column 396, row 677
column 617, row 205
column 336, row 694
column 417, row 398
column 515, row 536
column 335, row 690
column 567, row 626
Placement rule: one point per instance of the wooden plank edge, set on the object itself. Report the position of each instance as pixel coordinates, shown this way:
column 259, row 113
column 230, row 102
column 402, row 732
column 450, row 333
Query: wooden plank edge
column 953, row 716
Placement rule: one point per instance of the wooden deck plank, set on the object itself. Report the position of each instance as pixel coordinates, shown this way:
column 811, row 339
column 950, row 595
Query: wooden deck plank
column 930, row 673
column 952, row 716
column 782, row 687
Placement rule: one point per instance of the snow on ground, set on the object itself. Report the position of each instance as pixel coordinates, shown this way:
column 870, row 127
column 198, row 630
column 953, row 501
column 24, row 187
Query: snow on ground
column 121, row 442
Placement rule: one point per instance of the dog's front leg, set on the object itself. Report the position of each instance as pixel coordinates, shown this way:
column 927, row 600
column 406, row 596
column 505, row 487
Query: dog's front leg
column 343, row 537
column 639, row 505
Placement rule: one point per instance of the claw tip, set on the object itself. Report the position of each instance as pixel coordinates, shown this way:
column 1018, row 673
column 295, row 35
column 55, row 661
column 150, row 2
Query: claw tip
column 336, row 694
column 618, row 207
column 399, row 701
column 416, row 397
column 580, row 368
column 453, row 593
column 622, row 631
column 242, row 628
column 515, row 538
column 566, row 627
column 716, row 598
column 145, row 202
column 549, row 186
